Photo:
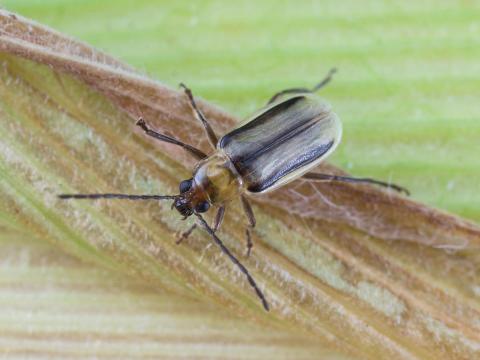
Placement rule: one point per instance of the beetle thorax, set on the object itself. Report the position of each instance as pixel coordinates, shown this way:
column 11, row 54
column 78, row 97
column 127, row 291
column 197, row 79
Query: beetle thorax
column 218, row 178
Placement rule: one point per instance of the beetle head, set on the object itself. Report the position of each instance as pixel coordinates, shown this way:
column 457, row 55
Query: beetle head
column 183, row 206
column 191, row 199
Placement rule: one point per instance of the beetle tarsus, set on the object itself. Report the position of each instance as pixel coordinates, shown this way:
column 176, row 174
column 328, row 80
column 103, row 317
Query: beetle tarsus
column 317, row 87
column 325, row 80
column 140, row 122
column 184, row 235
column 247, row 208
column 249, row 242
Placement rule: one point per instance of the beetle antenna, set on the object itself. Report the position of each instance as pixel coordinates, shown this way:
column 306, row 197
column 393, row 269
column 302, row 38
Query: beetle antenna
column 227, row 252
column 116, row 196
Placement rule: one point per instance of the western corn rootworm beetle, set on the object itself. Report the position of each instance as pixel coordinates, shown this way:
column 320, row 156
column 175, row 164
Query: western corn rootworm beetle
column 282, row 142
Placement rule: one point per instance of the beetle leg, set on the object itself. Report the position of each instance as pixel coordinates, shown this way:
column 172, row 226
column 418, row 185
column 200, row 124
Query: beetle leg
column 326, row 177
column 212, row 137
column 232, row 257
column 184, row 235
column 198, row 154
column 249, row 241
column 218, row 218
column 216, row 224
column 247, row 208
column 317, row 87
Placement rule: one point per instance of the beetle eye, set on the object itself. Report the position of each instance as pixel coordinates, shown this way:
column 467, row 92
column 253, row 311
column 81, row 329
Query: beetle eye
column 202, row 207
column 185, row 185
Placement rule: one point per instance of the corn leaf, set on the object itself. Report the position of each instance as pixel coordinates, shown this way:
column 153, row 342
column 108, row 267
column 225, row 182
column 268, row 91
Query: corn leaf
column 350, row 271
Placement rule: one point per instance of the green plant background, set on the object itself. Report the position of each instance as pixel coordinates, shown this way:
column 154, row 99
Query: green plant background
column 407, row 88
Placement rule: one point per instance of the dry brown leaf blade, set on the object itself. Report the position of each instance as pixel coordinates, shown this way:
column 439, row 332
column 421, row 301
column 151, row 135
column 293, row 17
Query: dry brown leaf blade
column 395, row 217
column 330, row 272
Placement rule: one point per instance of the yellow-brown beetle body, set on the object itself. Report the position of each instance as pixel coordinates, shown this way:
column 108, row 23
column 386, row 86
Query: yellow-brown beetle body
column 276, row 146
column 282, row 142
column 215, row 181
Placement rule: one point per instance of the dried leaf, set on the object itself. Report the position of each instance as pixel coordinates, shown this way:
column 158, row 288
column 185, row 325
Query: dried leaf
column 323, row 253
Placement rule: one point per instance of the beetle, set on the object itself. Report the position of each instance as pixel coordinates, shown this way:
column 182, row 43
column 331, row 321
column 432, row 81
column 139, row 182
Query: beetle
column 282, row 142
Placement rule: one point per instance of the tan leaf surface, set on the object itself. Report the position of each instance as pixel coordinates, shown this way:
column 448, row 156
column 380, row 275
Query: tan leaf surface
column 324, row 254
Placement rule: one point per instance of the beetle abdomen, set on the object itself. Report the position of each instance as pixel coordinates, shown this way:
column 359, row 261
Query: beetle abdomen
column 283, row 142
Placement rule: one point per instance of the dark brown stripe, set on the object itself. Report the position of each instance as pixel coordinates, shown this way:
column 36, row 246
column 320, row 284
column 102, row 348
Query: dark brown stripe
column 277, row 141
column 261, row 119
column 306, row 159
